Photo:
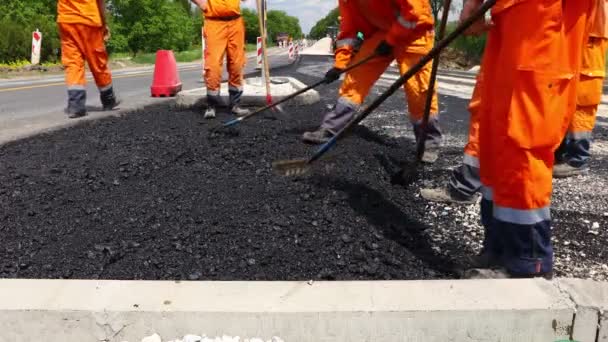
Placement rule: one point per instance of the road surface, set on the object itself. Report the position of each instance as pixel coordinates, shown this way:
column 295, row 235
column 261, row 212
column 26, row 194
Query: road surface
column 27, row 105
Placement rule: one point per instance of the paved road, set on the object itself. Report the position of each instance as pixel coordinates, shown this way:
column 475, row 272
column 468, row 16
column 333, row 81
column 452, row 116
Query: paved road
column 27, row 105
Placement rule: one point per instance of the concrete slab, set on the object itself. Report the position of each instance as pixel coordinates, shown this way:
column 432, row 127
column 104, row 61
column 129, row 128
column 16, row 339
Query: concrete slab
column 254, row 93
column 429, row 311
column 591, row 299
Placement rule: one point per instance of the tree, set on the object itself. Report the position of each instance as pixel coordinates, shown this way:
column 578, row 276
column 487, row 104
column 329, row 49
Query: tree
column 150, row 25
column 322, row 27
column 18, row 18
column 252, row 25
column 277, row 22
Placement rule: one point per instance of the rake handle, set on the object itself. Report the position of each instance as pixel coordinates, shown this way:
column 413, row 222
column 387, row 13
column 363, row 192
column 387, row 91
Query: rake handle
column 420, row 146
column 401, row 80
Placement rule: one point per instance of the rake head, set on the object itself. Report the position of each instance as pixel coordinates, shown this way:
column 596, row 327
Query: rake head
column 293, row 167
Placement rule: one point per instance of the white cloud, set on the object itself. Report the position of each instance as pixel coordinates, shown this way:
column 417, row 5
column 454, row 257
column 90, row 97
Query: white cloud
column 308, row 11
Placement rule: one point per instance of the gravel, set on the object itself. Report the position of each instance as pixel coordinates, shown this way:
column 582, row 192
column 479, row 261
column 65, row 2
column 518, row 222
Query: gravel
column 150, row 195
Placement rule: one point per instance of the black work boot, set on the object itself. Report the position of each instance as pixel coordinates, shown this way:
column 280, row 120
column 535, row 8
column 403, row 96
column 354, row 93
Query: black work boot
column 77, row 99
column 109, row 101
column 320, row 136
column 447, row 194
column 235, row 95
column 432, row 139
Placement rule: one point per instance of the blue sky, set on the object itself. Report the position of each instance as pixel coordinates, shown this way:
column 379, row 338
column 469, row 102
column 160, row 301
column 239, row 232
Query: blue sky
column 308, row 11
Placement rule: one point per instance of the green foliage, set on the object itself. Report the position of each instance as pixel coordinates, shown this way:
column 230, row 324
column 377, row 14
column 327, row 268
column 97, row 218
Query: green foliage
column 280, row 22
column 18, row 19
column 277, row 22
column 137, row 27
column 322, row 27
column 252, row 25
column 472, row 46
column 150, row 25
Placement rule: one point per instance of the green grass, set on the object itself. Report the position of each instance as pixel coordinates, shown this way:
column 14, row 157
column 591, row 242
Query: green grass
column 16, row 65
column 251, row 47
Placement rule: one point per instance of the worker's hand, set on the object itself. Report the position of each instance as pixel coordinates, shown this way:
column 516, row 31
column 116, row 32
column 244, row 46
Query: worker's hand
column 332, row 75
column 384, row 49
column 106, row 33
column 480, row 26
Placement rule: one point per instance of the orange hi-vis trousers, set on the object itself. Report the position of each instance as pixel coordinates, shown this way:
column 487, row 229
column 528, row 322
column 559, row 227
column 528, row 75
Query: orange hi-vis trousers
column 359, row 81
column 530, row 67
column 79, row 43
column 589, row 91
column 224, row 39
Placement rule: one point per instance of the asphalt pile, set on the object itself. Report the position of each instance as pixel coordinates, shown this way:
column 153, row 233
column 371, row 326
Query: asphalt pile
column 151, row 195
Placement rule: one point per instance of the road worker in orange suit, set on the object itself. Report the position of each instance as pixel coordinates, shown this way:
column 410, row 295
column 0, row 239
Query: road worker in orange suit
column 224, row 33
column 573, row 155
column 83, row 32
column 530, row 67
column 401, row 30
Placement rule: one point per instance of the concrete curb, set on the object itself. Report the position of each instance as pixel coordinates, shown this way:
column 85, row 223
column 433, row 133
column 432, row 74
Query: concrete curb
column 254, row 93
column 429, row 311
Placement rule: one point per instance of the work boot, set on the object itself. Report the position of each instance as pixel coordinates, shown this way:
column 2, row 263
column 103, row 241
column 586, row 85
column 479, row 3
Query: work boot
column 565, row 170
column 484, row 260
column 501, row 273
column 430, row 155
column 448, row 195
column 76, row 103
column 109, row 101
column 239, row 111
column 320, row 136
column 209, row 112
column 486, row 273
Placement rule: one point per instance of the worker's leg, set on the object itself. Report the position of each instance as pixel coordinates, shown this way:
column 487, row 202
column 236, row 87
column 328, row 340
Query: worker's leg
column 216, row 39
column 416, row 90
column 356, row 85
column 465, row 178
column 236, row 60
column 531, row 99
column 97, row 58
column 72, row 57
column 589, row 96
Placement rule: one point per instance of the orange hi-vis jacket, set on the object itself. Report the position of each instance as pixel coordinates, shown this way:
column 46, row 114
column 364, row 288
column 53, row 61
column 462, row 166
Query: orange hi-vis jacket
column 222, row 9
column 78, row 12
column 404, row 21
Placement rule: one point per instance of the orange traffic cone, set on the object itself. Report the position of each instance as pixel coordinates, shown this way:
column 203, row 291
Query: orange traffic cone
column 166, row 78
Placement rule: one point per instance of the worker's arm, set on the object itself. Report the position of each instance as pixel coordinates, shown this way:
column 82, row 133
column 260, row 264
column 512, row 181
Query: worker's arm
column 469, row 7
column 413, row 20
column 347, row 37
column 101, row 7
column 202, row 4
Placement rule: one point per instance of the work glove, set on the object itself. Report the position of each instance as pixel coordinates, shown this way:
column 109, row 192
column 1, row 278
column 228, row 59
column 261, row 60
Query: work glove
column 384, row 49
column 332, row 75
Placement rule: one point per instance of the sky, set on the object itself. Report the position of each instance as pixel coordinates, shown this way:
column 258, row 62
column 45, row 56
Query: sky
column 308, row 11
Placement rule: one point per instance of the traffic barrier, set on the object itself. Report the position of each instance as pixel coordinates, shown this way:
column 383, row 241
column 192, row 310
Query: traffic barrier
column 166, row 81
column 259, row 49
column 36, row 45
column 291, row 51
